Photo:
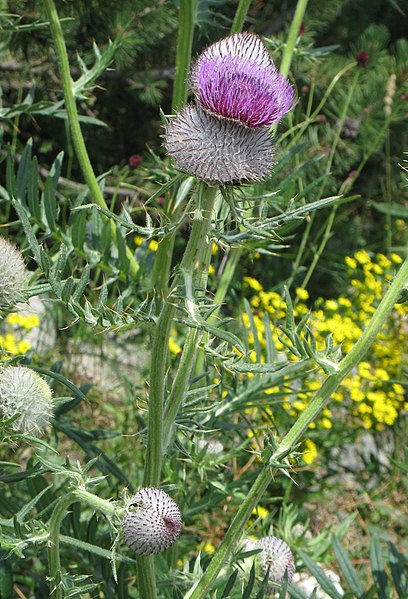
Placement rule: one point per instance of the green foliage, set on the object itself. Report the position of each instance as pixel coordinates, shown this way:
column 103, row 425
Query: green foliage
column 222, row 378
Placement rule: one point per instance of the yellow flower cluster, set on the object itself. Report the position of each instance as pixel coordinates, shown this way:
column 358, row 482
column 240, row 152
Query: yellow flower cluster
column 371, row 392
column 13, row 328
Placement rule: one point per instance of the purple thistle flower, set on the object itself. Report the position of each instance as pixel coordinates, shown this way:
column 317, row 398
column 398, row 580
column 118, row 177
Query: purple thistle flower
column 224, row 138
column 218, row 150
column 236, row 78
column 152, row 521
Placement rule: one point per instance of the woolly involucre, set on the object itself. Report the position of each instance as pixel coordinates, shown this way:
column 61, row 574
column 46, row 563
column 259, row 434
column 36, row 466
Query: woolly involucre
column 218, row 150
column 276, row 555
column 12, row 273
column 24, row 392
column 152, row 521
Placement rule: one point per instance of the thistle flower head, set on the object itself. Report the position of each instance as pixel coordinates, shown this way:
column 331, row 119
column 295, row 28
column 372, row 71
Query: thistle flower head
column 152, row 521
column 12, row 273
column 236, row 78
column 224, row 138
column 218, row 150
column 24, row 392
column 277, row 556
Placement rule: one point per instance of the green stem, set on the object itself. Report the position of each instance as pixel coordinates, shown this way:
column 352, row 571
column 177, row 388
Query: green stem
column 240, row 16
column 332, row 382
column 292, row 37
column 191, row 351
column 75, row 127
column 57, row 516
column 146, row 577
column 330, row 220
column 180, row 383
column 356, row 354
column 158, row 364
column 190, row 266
column 183, row 55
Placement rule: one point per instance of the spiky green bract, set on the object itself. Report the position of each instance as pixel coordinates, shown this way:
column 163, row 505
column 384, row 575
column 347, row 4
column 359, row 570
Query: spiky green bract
column 12, row 273
column 24, row 392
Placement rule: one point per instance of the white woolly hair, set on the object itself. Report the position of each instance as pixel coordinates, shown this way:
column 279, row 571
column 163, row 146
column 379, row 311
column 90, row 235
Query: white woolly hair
column 24, row 392
column 12, row 273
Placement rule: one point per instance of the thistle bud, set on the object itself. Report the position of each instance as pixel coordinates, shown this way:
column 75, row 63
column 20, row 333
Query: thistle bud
column 277, row 556
column 12, row 273
column 152, row 521
column 213, row 447
column 24, row 392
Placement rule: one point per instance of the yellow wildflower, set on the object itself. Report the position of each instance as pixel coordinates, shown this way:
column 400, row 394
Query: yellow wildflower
column 311, row 453
column 252, row 283
column 302, row 294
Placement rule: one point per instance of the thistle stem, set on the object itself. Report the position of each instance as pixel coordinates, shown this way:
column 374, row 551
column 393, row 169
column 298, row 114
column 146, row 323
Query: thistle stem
column 183, row 55
column 322, row 397
column 54, row 561
column 240, row 16
column 292, row 36
column 191, row 265
column 158, row 430
column 57, row 516
column 75, row 127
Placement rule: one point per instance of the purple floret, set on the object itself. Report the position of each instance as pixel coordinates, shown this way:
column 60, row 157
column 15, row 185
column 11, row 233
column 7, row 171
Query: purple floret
column 239, row 88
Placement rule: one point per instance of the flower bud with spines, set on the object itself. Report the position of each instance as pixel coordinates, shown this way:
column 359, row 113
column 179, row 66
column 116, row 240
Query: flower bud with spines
column 277, row 556
column 24, row 392
column 152, row 521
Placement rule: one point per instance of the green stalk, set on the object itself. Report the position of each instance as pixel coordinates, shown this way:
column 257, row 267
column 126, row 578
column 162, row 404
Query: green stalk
column 292, row 37
column 322, row 397
column 54, row 562
column 330, row 220
column 355, row 356
column 57, row 516
column 162, row 263
column 146, row 577
column 183, row 55
column 240, row 16
column 75, row 127
column 191, row 266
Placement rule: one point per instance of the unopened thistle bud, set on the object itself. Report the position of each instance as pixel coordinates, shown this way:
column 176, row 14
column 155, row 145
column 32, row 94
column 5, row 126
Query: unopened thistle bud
column 152, row 521
column 24, row 392
column 12, row 273
column 213, row 447
column 277, row 556
column 224, row 136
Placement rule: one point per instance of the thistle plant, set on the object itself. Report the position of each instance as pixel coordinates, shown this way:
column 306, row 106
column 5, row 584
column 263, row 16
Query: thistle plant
column 220, row 150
